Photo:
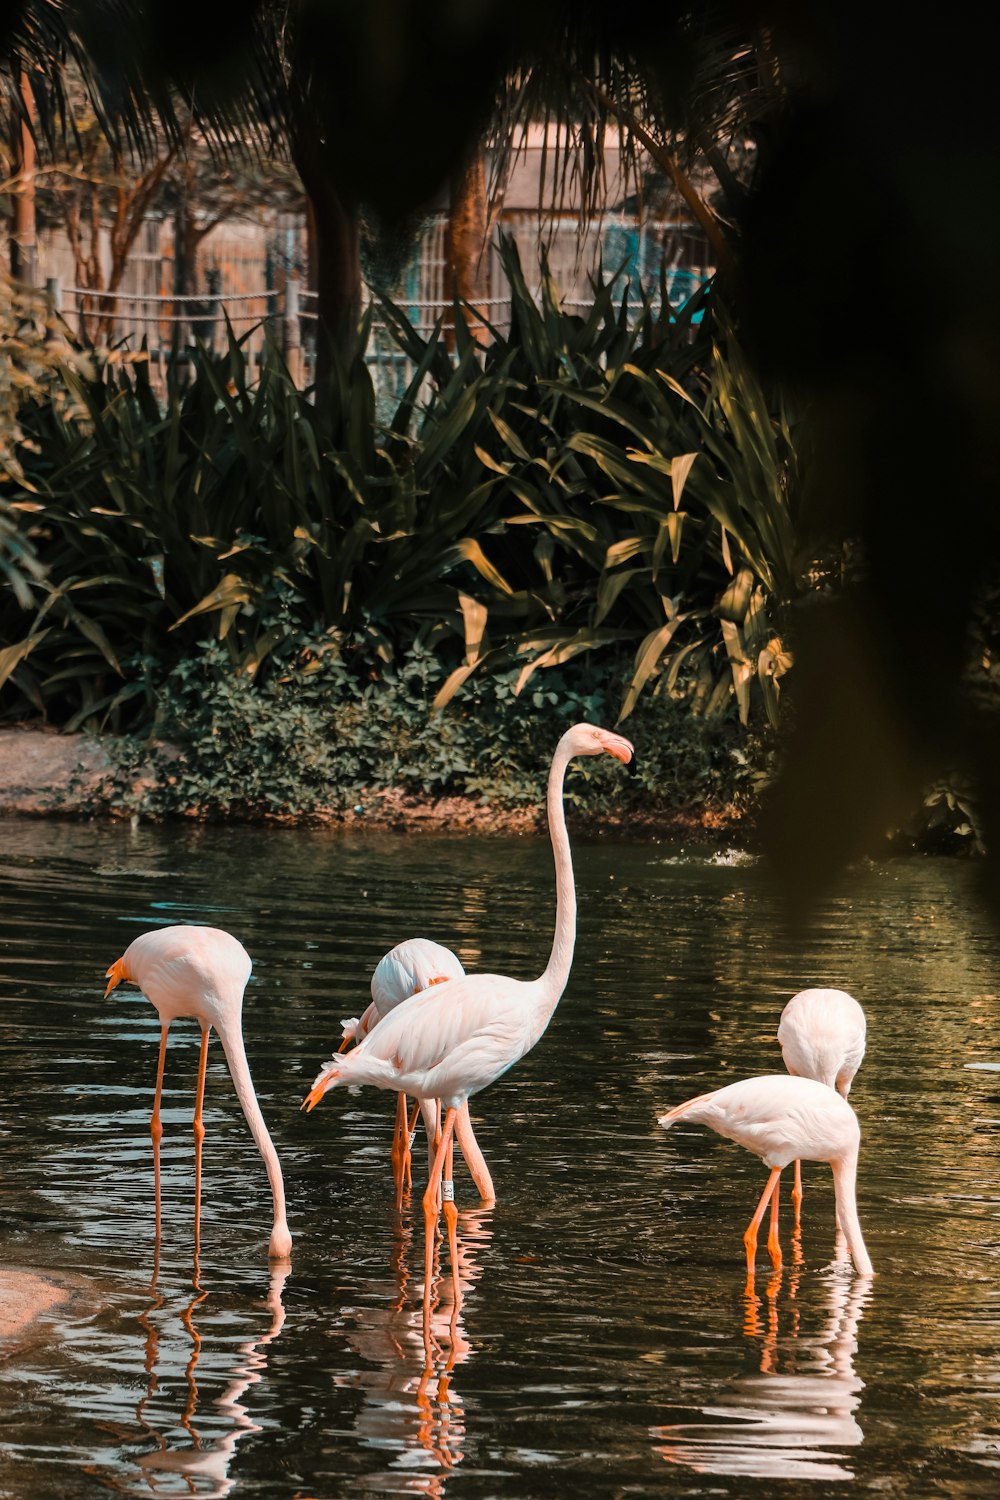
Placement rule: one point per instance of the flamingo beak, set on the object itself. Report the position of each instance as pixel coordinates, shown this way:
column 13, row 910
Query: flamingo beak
column 317, row 1091
column 115, row 975
column 621, row 748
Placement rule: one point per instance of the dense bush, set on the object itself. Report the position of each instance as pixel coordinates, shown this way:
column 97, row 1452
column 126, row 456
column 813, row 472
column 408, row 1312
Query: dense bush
column 313, row 736
column 585, row 487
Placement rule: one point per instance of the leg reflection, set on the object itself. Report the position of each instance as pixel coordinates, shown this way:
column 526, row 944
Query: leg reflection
column 797, row 1418
column 411, row 1406
column 205, row 1459
column 156, row 1130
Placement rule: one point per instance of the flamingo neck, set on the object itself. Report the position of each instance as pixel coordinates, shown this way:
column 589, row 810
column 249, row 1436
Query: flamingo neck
column 553, row 981
column 845, row 1176
column 239, row 1068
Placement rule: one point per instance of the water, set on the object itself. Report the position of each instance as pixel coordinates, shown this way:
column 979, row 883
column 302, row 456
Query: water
column 605, row 1344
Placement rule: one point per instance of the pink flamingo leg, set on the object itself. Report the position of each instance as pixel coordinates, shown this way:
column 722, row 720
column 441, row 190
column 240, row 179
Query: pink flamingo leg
column 432, row 1207
column 797, row 1194
column 199, row 1135
column 750, row 1235
column 156, row 1125
column 773, row 1243
column 474, row 1159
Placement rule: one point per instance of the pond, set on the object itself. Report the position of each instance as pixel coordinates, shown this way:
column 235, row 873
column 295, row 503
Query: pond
column 605, row 1342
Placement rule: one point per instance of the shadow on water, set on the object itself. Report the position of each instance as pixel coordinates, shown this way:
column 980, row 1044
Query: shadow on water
column 604, row 1344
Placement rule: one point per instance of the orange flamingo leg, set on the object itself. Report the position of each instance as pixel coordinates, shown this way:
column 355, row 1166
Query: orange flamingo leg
column 451, row 1220
column 750, row 1236
column 432, row 1208
column 399, row 1148
column 797, row 1194
column 411, row 1130
column 199, row 1135
column 156, row 1125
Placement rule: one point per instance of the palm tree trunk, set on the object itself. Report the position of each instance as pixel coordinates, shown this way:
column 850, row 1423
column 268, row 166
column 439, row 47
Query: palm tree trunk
column 465, row 242
column 24, row 244
column 335, row 250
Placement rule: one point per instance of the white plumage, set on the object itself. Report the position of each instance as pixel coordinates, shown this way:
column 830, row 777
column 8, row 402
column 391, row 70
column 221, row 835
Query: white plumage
column 822, row 1035
column 201, row 973
column 411, row 967
column 456, row 1038
column 404, row 971
column 782, row 1119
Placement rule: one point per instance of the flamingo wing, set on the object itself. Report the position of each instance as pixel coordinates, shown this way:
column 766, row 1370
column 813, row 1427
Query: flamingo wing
column 471, row 1029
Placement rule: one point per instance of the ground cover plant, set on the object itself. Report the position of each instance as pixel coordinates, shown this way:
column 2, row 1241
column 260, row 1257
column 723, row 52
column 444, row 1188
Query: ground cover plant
column 313, row 738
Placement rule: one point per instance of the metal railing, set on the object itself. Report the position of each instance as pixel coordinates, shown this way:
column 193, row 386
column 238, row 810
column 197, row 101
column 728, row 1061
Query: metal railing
column 167, row 326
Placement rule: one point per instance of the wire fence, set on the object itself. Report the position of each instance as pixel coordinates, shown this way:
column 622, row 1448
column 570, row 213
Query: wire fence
column 254, row 286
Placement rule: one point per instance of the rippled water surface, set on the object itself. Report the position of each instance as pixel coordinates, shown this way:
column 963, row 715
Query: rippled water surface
column 606, row 1345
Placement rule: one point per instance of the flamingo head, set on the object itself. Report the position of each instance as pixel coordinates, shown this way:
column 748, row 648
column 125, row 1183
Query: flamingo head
column 115, row 975
column 324, row 1080
column 352, row 1032
column 590, row 739
column 280, row 1245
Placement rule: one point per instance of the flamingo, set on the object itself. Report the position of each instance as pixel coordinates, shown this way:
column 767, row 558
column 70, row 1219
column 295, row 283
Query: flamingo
column 450, row 1047
column 404, row 971
column 780, row 1119
column 822, row 1036
column 201, row 972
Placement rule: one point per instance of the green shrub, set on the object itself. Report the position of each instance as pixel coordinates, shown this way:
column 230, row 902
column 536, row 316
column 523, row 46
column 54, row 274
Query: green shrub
column 313, row 736
column 585, row 487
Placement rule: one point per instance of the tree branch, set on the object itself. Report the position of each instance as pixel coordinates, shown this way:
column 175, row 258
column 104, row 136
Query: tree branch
column 724, row 258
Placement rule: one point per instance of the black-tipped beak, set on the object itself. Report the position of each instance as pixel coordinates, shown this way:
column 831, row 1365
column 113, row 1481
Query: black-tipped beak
column 633, row 765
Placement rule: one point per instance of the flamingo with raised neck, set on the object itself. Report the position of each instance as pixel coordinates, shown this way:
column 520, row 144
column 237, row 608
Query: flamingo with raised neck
column 450, row 1051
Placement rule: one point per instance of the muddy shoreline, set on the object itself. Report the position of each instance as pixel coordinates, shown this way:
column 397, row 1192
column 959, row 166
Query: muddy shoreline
column 47, row 774
column 24, row 1296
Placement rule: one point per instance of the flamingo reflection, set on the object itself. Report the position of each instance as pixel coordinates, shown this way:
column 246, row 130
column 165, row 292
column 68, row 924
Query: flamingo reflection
column 410, row 1404
column 202, row 1466
column 796, row 1419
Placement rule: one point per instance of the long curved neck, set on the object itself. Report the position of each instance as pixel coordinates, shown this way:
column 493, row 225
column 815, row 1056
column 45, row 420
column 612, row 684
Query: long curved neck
column 845, row 1174
column 239, row 1068
column 553, row 981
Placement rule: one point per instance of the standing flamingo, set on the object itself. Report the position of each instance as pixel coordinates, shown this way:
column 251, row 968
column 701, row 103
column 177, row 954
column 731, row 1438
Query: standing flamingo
column 449, row 1051
column 202, row 972
column 780, row 1118
column 403, row 972
column 822, row 1036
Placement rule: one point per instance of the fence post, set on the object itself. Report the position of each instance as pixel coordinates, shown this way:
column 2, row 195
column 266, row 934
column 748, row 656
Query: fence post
column 54, row 317
column 291, row 330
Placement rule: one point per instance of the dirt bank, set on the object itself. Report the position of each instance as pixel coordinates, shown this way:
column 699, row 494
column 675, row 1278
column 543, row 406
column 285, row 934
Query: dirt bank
column 23, row 1297
column 45, row 773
